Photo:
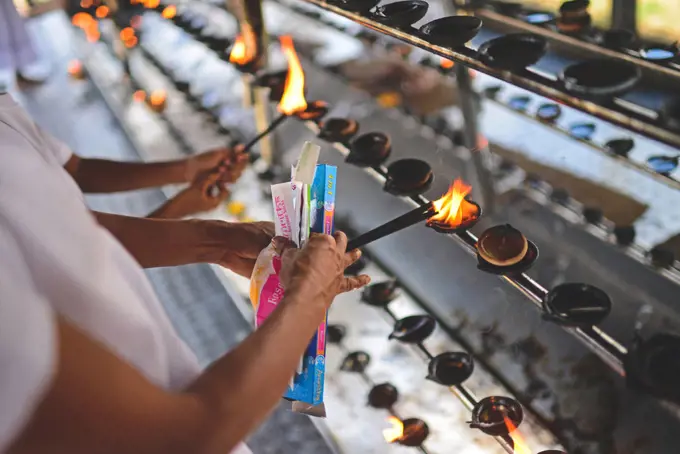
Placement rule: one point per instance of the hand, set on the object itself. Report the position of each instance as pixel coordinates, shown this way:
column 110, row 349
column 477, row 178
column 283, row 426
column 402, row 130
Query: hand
column 317, row 271
column 204, row 194
column 231, row 162
column 241, row 243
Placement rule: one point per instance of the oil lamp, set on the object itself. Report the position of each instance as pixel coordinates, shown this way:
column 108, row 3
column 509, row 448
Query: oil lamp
column 620, row 147
column 450, row 368
column 549, row 112
column 408, row 432
column 519, row 103
column 504, row 250
column 369, row 150
column 492, row 91
column 618, row 39
column 490, row 414
column 400, row 14
column 413, row 329
column 574, row 17
column 335, row 333
column 582, row 131
column 408, row 177
column 541, row 19
column 356, row 361
column 663, row 165
column 659, row 54
column 339, row 130
column 452, row 31
column 593, row 215
column 661, row 257
column 383, row 395
column 380, row 294
column 560, row 196
column 624, row 234
column 600, row 79
column 576, row 305
column 357, row 6
column 450, row 213
column 653, row 365
column 513, row 52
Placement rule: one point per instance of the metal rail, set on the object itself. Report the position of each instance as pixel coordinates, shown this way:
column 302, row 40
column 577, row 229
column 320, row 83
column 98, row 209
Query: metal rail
column 526, row 79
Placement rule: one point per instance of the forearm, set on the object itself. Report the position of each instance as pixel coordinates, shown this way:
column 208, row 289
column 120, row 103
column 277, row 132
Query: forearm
column 242, row 388
column 99, row 175
column 163, row 242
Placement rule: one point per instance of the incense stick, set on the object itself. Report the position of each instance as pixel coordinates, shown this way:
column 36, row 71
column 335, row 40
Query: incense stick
column 413, row 217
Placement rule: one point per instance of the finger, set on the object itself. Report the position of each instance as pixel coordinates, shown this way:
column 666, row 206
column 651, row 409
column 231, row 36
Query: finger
column 208, row 180
column 340, row 241
column 351, row 257
column 354, row 282
column 239, row 149
column 281, row 244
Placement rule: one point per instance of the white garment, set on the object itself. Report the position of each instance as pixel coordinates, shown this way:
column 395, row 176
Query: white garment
column 55, row 258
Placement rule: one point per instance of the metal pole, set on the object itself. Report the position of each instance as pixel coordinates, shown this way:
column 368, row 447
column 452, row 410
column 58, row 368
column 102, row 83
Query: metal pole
column 253, row 30
column 624, row 15
column 478, row 150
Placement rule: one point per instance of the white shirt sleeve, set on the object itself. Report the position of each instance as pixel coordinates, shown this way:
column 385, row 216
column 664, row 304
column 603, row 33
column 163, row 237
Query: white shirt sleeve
column 56, row 147
column 27, row 342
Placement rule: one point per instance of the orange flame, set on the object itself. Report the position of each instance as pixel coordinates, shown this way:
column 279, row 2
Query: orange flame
column 102, row 11
column 152, row 4
column 244, row 49
column 157, row 98
column 446, row 64
column 293, row 99
column 86, row 3
column 75, row 69
column 169, row 12
column 127, row 33
column 452, row 208
column 519, row 443
column 81, row 19
column 395, row 432
column 139, row 96
column 130, row 42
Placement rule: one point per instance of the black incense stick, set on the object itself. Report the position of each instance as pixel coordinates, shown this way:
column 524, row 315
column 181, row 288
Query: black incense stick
column 406, row 220
column 273, row 125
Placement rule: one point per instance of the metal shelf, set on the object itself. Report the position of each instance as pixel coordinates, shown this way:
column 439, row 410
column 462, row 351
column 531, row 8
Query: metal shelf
column 526, row 79
column 509, row 24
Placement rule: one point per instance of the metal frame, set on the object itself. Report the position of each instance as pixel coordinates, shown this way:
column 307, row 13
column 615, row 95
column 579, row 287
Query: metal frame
column 527, row 79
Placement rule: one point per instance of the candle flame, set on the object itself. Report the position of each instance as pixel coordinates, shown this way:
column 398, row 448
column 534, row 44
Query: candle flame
column 452, row 208
column 244, row 49
column 293, row 99
column 169, row 12
column 102, row 11
column 446, row 64
column 395, row 432
column 75, row 69
column 139, row 96
column 520, row 446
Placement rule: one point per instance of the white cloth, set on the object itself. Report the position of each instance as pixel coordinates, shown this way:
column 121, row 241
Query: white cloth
column 56, row 259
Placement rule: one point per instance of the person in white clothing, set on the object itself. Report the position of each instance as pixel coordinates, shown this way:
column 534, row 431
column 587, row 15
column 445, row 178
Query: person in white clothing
column 89, row 361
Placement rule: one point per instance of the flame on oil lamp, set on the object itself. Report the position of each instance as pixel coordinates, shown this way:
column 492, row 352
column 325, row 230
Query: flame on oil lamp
column 409, row 432
column 448, row 214
column 86, row 4
column 244, row 50
column 395, row 432
column 520, row 446
column 139, row 96
column 152, row 4
column 169, row 12
column 157, row 100
column 453, row 211
column 446, row 64
column 76, row 70
column 127, row 33
column 293, row 99
column 102, row 11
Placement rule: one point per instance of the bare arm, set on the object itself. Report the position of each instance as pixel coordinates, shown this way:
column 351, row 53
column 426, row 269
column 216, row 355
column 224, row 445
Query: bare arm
column 167, row 242
column 101, row 175
column 98, row 403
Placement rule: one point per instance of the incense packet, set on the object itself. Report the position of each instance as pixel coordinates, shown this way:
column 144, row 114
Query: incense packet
column 308, row 387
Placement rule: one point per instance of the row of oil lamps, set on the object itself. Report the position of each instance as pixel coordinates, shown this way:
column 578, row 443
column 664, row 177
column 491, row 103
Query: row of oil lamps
column 571, row 305
column 413, row 177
